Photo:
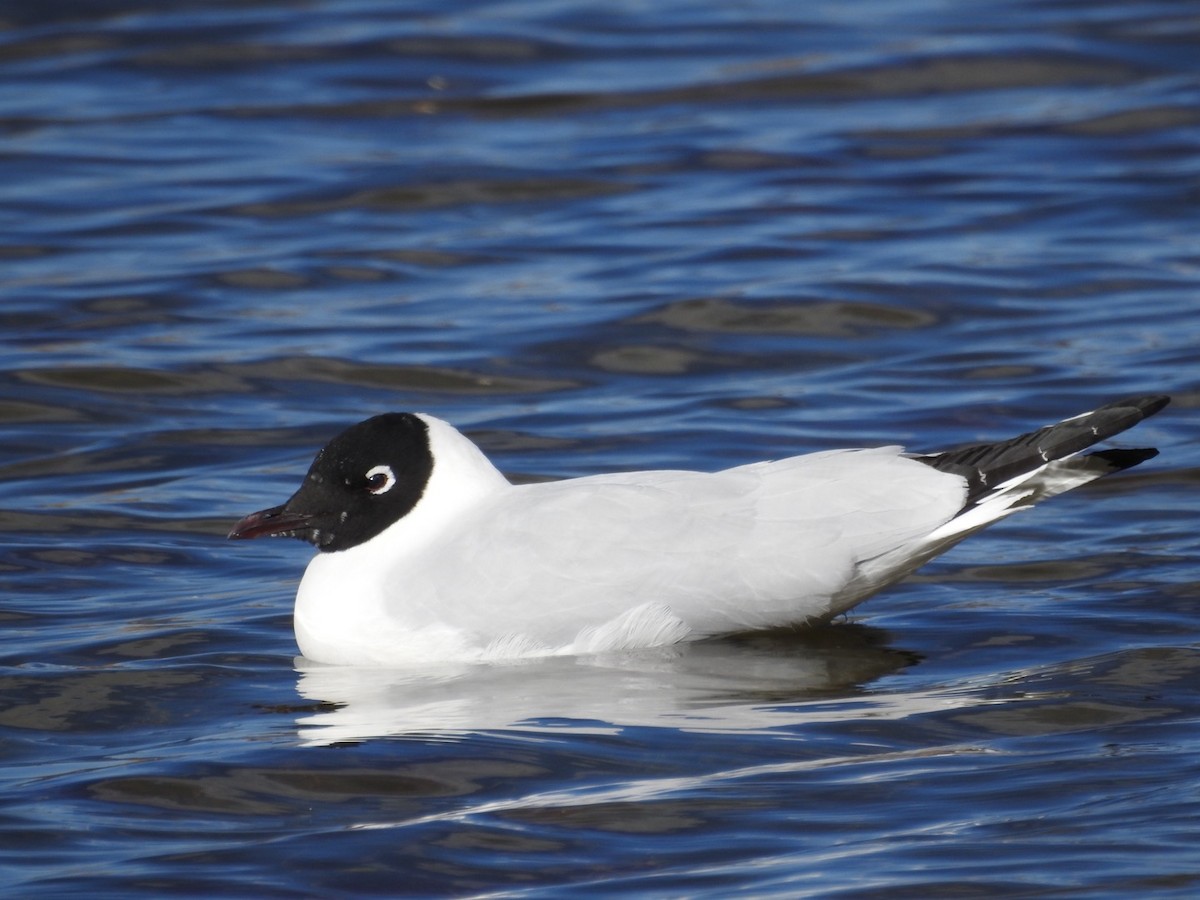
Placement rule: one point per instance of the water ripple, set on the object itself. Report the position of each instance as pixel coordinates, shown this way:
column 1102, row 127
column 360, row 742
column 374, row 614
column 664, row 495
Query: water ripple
column 596, row 239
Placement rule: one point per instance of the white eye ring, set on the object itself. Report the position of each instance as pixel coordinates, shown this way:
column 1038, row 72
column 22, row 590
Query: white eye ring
column 389, row 479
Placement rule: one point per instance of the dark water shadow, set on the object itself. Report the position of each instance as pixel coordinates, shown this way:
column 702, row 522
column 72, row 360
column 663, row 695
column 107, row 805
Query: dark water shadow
column 731, row 685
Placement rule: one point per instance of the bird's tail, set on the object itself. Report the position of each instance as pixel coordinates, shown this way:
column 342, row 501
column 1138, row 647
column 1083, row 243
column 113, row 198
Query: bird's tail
column 1007, row 476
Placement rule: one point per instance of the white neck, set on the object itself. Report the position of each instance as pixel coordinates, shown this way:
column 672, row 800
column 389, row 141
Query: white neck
column 341, row 598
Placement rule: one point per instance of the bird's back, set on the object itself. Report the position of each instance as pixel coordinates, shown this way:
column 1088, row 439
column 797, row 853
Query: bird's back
column 588, row 560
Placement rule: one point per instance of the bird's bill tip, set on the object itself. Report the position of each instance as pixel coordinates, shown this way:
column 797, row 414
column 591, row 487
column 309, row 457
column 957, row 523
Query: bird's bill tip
column 274, row 521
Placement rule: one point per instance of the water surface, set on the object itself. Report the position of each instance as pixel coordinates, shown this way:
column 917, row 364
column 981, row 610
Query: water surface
column 595, row 239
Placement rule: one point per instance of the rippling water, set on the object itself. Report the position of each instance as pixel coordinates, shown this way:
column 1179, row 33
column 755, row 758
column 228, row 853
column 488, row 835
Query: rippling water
column 597, row 238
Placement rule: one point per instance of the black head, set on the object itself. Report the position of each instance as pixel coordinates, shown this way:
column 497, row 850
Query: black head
column 368, row 477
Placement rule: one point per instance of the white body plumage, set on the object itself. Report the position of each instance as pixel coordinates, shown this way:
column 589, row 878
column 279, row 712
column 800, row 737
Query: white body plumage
column 432, row 555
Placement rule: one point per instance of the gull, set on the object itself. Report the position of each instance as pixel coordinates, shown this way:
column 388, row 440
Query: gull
column 428, row 554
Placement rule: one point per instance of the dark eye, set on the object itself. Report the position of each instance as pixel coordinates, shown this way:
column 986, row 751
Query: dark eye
column 380, row 479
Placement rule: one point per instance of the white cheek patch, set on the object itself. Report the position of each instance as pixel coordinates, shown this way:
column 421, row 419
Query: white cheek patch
column 389, row 479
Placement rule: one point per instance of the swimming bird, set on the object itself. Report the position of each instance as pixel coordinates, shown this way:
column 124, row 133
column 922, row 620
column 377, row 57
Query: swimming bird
column 428, row 554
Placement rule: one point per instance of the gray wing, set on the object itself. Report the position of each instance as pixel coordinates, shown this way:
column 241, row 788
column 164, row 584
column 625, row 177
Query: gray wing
column 752, row 547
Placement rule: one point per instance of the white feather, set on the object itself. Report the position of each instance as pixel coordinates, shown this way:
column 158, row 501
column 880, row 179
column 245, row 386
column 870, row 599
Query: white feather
column 484, row 569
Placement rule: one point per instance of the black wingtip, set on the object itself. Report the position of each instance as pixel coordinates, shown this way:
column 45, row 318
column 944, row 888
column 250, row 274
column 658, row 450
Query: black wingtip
column 1119, row 460
column 986, row 465
column 1146, row 405
column 1155, row 403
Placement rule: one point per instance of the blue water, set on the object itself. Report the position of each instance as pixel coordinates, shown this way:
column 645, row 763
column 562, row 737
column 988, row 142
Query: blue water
column 596, row 237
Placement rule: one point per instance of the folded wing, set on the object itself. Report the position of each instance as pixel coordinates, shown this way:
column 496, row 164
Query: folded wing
column 761, row 545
